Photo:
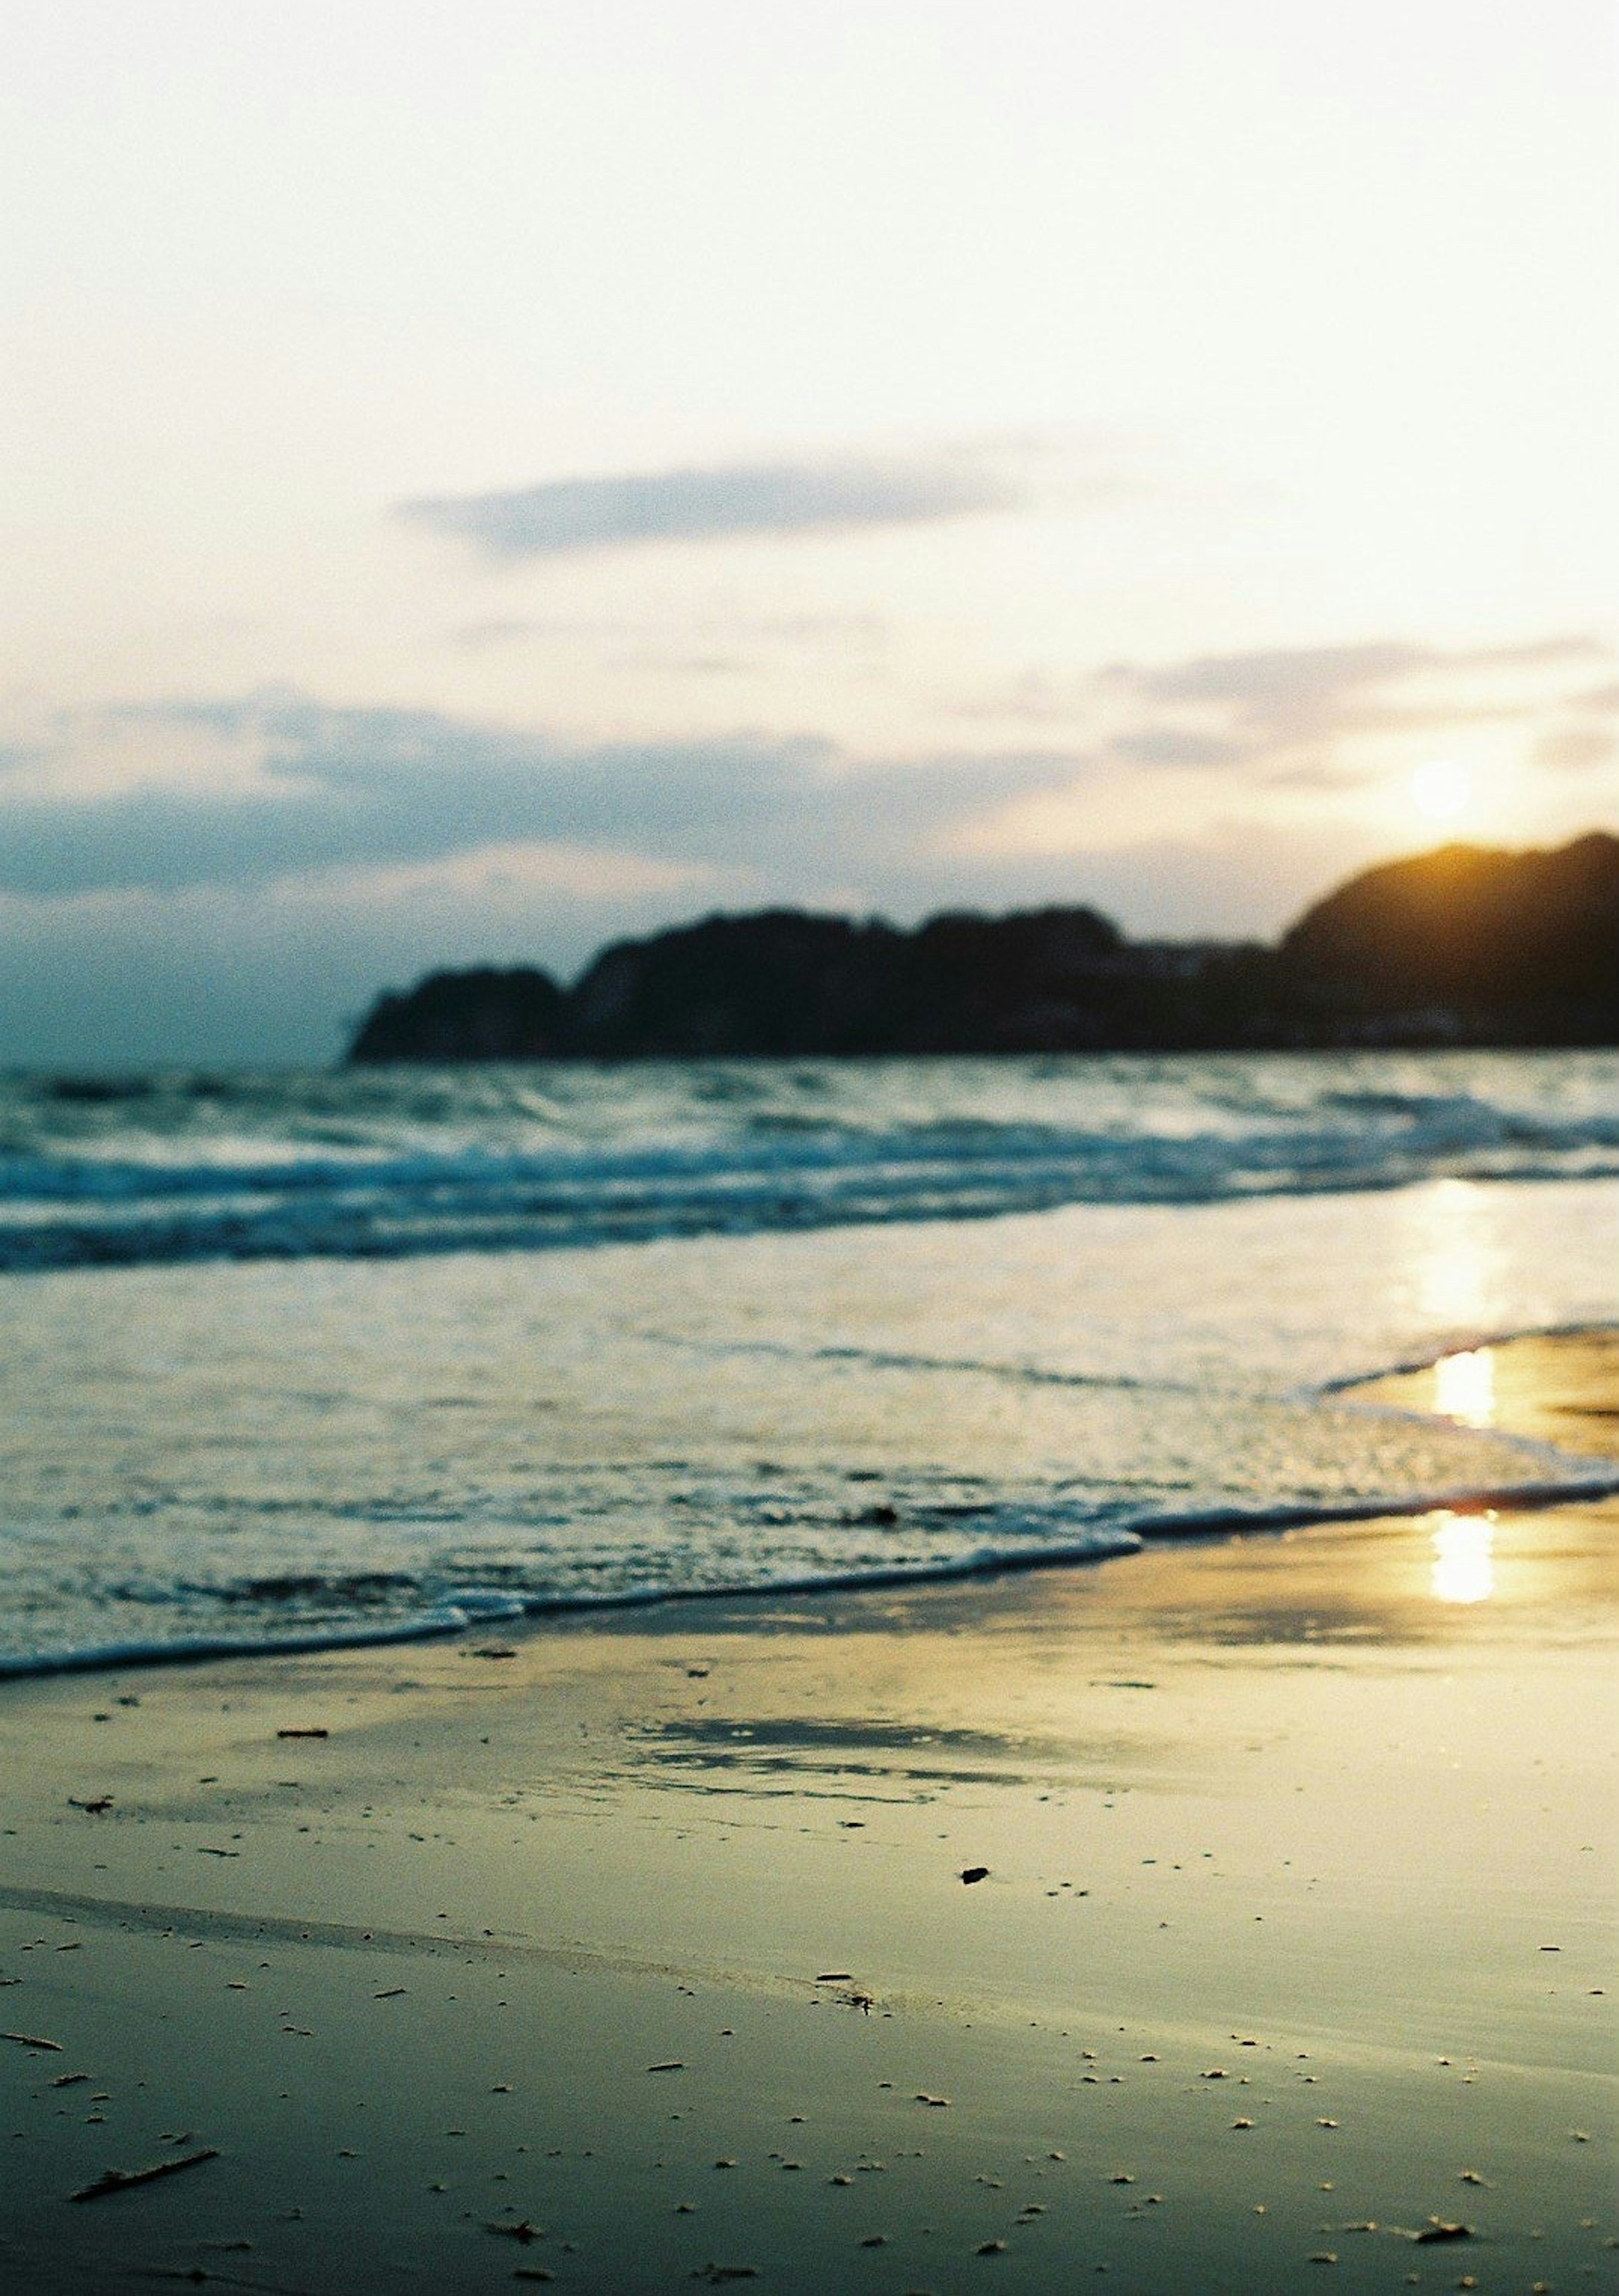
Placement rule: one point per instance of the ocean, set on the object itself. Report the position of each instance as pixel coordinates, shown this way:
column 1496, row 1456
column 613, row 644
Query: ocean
column 291, row 1359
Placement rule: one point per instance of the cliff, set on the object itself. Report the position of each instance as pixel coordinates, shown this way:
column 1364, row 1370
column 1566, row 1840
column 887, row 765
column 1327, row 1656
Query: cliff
column 1462, row 946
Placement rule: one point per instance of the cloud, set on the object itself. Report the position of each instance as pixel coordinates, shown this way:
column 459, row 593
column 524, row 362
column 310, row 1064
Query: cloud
column 347, row 789
column 495, row 629
column 1576, row 749
column 1317, row 775
column 1273, row 686
column 789, row 633
column 1603, row 700
column 268, row 787
column 828, row 494
column 1293, row 717
column 1172, row 746
column 1291, row 692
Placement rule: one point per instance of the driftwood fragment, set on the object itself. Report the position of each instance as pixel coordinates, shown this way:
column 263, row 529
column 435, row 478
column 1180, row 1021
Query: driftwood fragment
column 119, row 2180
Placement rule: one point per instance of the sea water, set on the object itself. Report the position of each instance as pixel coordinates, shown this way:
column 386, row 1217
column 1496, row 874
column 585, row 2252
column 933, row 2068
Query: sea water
column 297, row 1358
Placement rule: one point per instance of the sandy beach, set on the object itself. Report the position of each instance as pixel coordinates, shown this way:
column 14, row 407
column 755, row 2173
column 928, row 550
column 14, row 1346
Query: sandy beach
column 1236, row 1916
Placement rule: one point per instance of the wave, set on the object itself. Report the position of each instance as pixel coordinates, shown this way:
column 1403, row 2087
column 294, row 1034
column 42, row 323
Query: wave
column 471, row 1609
column 775, row 1171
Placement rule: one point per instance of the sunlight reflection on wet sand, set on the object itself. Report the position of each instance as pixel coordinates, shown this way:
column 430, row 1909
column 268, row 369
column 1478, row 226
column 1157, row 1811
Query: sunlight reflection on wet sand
column 1464, row 1569
column 1464, row 1387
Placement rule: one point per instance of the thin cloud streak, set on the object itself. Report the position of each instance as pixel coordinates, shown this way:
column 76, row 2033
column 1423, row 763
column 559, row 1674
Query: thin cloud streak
column 1294, row 691
column 829, row 494
column 1229, row 711
column 852, row 631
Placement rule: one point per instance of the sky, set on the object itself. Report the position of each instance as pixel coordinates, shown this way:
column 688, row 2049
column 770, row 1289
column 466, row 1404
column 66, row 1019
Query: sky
column 486, row 479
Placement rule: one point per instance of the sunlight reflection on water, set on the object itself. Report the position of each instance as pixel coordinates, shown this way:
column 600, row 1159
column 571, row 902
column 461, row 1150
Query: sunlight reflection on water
column 1458, row 1255
column 1464, row 1566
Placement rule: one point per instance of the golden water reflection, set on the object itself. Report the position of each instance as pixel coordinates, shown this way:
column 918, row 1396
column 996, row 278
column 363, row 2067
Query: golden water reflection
column 1464, row 1387
column 1456, row 1264
column 1464, row 1563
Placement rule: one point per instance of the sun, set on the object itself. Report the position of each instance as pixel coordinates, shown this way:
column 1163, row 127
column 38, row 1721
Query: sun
column 1440, row 788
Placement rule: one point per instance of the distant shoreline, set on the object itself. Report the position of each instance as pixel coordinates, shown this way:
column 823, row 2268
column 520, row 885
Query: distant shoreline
column 1465, row 947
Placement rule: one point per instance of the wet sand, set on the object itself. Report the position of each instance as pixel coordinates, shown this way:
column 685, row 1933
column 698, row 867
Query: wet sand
column 636, row 1954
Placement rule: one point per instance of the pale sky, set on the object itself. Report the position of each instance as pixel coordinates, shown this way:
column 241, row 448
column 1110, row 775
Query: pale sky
column 481, row 479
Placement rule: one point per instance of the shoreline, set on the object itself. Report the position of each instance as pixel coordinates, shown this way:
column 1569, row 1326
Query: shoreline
column 1295, row 1924
column 1408, row 1387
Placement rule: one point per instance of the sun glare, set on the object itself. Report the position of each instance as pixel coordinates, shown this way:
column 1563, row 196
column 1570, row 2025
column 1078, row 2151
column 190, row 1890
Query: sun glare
column 1440, row 789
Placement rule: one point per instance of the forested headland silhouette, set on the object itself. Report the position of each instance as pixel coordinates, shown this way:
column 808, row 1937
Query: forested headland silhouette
column 1463, row 946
